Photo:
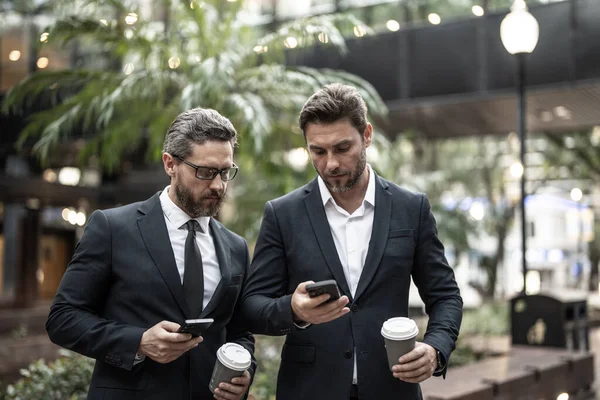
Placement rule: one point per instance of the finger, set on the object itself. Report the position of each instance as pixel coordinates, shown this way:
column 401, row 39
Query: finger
column 323, row 309
column 176, row 337
column 412, row 355
column 333, row 315
column 224, row 394
column 417, row 379
column 410, row 366
column 169, row 326
column 414, row 372
column 302, row 287
column 228, row 387
column 243, row 380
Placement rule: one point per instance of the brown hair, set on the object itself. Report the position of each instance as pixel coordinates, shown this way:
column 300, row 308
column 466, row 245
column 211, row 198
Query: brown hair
column 332, row 103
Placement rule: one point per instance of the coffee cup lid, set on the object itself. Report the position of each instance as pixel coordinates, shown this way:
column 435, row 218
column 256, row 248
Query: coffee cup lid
column 234, row 356
column 399, row 328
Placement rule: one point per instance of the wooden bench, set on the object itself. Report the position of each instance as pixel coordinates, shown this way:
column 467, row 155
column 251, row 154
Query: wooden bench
column 525, row 373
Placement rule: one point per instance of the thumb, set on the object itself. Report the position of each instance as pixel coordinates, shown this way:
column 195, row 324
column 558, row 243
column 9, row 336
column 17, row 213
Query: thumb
column 169, row 326
column 302, row 287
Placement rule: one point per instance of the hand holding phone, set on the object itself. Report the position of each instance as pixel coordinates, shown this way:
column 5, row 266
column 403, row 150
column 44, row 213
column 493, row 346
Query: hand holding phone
column 195, row 327
column 307, row 310
column 318, row 288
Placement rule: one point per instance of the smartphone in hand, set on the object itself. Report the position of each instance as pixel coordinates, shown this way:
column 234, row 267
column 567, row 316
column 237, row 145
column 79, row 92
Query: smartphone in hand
column 318, row 288
column 195, row 327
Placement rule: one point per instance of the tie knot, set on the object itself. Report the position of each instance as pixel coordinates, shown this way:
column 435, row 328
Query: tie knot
column 193, row 225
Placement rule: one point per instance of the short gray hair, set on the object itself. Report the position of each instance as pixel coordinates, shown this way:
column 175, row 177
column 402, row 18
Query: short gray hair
column 197, row 126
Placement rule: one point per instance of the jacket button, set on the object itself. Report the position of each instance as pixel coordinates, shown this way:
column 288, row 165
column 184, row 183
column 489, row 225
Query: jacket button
column 354, row 308
column 348, row 354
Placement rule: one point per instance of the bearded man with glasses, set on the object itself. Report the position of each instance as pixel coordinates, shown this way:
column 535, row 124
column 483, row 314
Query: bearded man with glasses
column 141, row 270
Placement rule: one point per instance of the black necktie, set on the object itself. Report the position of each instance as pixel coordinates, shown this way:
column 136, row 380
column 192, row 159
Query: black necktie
column 193, row 274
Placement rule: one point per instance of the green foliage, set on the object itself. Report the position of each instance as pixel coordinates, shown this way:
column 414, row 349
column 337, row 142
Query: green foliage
column 268, row 354
column 490, row 319
column 67, row 378
column 199, row 56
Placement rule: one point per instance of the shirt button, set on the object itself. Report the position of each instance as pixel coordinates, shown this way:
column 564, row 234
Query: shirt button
column 348, row 354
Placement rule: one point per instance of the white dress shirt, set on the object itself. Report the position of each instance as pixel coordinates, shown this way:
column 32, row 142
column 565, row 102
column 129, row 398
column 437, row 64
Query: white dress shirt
column 175, row 218
column 351, row 234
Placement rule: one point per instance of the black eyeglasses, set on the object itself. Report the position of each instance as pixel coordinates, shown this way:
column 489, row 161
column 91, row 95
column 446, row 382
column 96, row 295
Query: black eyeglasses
column 210, row 173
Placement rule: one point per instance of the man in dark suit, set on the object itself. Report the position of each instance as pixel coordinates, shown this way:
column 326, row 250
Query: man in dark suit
column 369, row 235
column 140, row 270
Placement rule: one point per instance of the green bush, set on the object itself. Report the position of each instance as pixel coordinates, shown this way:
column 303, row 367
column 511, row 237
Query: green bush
column 67, row 378
column 491, row 319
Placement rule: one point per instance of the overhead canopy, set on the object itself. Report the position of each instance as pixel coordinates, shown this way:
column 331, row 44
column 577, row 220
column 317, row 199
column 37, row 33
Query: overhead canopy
column 457, row 79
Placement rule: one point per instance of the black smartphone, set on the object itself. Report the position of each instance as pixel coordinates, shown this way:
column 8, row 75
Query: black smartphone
column 318, row 288
column 195, row 327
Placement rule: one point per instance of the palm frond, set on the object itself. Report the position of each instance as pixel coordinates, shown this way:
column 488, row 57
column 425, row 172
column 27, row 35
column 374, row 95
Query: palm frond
column 46, row 87
column 325, row 76
column 251, row 116
column 76, row 27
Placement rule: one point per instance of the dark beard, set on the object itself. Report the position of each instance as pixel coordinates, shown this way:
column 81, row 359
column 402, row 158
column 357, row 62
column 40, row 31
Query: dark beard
column 355, row 175
column 197, row 209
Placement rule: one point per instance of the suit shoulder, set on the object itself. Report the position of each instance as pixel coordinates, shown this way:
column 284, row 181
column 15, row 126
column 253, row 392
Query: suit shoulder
column 403, row 194
column 231, row 235
column 291, row 197
column 122, row 211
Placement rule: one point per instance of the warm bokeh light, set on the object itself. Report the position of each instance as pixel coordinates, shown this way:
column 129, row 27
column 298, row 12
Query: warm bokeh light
column 323, row 38
column 128, row 69
column 290, row 42
column 359, row 31
column 393, row 25
column 478, row 10
column 14, row 55
column 576, row 194
column 43, row 62
column 44, row 37
column 434, row 18
column 174, row 62
column 131, row 18
column 516, row 170
column 477, row 211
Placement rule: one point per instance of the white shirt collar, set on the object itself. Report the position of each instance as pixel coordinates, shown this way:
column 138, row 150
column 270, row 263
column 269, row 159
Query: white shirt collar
column 176, row 215
column 369, row 195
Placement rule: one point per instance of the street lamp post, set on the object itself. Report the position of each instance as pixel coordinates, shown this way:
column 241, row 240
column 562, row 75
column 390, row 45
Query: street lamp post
column 577, row 195
column 520, row 32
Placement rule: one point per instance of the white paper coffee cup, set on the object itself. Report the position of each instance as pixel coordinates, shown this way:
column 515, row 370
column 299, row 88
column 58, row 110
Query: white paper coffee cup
column 232, row 360
column 399, row 334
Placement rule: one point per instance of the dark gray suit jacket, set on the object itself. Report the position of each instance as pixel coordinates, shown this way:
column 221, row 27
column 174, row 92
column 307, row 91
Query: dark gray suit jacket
column 295, row 245
column 123, row 280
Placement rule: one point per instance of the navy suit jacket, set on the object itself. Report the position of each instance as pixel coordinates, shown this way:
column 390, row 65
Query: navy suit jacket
column 121, row 281
column 295, row 245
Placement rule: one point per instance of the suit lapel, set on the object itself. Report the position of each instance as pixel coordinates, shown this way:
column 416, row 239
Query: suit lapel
column 318, row 219
column 156, row 238
column 224, row 256
column 379, row 234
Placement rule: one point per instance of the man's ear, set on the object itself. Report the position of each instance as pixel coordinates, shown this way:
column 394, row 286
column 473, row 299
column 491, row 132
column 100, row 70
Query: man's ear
column 169, row 164
column 368, row 135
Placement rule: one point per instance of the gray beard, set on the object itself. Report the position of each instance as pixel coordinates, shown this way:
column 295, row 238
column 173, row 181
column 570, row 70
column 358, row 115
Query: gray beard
column 195, row 209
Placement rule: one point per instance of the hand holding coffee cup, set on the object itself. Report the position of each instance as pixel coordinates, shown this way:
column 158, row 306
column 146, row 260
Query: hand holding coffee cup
column 399, row 335
column 233, row 360
column 417, row 365
column 409, row 360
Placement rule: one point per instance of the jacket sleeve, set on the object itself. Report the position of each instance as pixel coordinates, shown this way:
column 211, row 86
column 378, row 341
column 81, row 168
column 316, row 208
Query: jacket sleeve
column 237, row 328
column 266, row 302
column 75, row 320
column 435, row 280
